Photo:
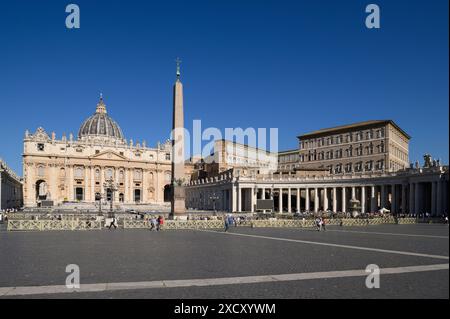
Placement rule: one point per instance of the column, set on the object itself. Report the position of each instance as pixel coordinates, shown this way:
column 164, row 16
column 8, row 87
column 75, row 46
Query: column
column 233, row 198
column 383, row 196
column 417, row 201
column 263, row 194
column 280, row 201
column 239, row 198
column 439, row 199
column 253, row 199
column 316, row 200
column 411, row 199
column 363, row 199
column 116, row 180
column 403, row 199
column 433, row 198
column 102, row 180
column 373, row 199
column 92, row 184
column 297, row 206
column 86, row 191
column 344, row 200
column 53, row 182
column 325, row 199
column 307, row 200
column 126, row 186
column 334, row 200
column 70, row 190
column 131, row 185
column 393, row 199
column 289, row 200
column 353, row 192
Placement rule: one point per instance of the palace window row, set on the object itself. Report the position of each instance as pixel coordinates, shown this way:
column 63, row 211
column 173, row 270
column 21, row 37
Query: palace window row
column 335, row 154
column 342, row 138
column 361, row 166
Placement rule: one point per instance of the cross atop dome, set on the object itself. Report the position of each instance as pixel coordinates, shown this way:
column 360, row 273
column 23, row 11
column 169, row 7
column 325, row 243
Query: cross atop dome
column 101, row 107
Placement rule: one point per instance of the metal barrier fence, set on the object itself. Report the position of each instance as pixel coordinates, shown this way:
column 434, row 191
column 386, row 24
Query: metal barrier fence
column 44, row 225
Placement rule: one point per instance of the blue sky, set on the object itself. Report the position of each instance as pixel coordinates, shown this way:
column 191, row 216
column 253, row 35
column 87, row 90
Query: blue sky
column 295, row 65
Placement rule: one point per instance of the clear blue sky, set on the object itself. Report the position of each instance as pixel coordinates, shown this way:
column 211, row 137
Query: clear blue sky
column 295, row 65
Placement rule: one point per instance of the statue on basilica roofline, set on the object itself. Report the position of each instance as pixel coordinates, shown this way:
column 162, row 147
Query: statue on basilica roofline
column 427, row 160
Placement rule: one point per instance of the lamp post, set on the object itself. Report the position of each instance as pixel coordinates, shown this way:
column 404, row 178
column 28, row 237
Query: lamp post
column 113, row 187
column 214, row 197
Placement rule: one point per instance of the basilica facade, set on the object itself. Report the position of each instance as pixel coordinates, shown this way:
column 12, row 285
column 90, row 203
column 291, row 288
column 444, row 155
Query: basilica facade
column 98, row 164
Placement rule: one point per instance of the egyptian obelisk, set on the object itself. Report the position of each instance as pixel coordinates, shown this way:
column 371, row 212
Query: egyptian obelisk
column 178, row 178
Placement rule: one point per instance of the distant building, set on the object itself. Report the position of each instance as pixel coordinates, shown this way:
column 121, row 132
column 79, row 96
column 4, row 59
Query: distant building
column 366, row 162
column 371, row 146
column 10, row 188
column 243, row 159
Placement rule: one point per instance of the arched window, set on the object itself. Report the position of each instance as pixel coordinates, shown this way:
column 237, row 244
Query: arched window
column 109, row 173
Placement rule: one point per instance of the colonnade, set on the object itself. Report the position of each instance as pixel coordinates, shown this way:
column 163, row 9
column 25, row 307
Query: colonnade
column 399, row 196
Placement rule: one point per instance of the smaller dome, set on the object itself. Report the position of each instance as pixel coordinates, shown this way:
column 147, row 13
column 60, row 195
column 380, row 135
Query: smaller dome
column 100, row 125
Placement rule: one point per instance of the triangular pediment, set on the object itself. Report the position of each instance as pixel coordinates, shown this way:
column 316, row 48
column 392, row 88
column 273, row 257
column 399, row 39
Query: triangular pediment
column 109, row 155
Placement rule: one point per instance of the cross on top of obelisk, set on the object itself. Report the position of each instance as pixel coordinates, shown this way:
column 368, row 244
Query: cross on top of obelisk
column 178, row 61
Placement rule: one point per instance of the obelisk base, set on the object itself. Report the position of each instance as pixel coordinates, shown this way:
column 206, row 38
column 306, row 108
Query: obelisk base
column 178, row 202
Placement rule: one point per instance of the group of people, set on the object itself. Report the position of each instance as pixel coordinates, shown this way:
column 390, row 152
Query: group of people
column 156, row 223
column 321, row 223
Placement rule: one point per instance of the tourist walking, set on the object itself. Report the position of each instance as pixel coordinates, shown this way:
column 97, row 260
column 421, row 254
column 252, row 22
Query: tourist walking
column 113, row 223
column 318, row 224
column 227, row 225
column 152, row 223
column 324, row 222
column 160, row 223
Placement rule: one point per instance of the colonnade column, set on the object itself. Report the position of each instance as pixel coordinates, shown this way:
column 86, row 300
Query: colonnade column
column 383, row 196
column 325, row 199
column 417, row 198
column 233, row 198
column 433, row 198
column 239, row 198
column 411, row 198
column 253, row 197
column 393, row 199
column 307, row 200
column 403, row 198
column 334, row 200
column 280, row 201
column 373, row 199
column 439, row 198
column 297, row 206
column 316, row 200
column 344, row 200
column 363, row 199
column 289, row 200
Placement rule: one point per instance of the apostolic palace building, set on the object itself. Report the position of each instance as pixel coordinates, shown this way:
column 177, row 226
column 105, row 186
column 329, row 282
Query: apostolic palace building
column 361, row 165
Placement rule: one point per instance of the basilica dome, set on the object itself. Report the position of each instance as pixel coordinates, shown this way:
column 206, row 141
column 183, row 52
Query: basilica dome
column 100, row 125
